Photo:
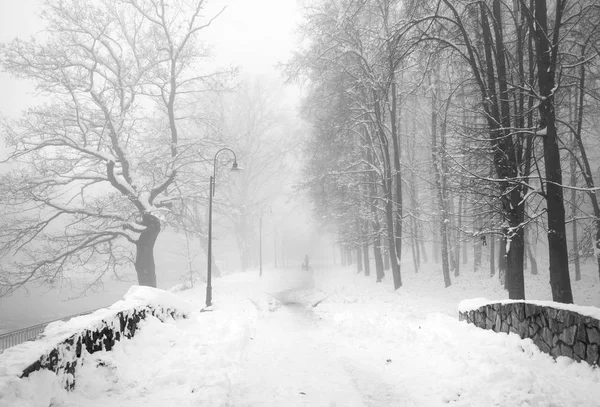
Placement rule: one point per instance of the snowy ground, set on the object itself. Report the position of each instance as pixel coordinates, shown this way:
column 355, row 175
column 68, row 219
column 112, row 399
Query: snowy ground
column 335, row 339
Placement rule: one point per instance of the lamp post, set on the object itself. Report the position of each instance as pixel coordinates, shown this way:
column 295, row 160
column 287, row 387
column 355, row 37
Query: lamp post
column 211, row 192
column 262, row 211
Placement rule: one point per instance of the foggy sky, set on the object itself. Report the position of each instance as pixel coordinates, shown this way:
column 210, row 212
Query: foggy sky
column 254, row 34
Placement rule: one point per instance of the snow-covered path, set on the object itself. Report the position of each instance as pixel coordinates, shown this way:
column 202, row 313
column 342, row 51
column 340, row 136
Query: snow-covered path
column 289, row 363
column 336, row 340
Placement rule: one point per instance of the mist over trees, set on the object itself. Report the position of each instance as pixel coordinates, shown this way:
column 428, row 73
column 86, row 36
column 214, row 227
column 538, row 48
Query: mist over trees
column 453, row 128
column 96, row 168
column 450, row 132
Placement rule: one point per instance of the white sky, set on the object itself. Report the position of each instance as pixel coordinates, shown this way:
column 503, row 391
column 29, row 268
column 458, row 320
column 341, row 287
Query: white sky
column 254, row 34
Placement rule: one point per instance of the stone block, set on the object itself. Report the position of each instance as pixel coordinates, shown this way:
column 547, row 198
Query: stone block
column 533, row 329
column 491, row 314
column 566, row 350
column 551, row 312
column 592, row 354
column 523, row 329
column 489, row 323
column 541, row 320
column 565, row 317
column 519, row 310
column 531, row 310
column 579, row 350
column 498, row 323
column 504, row 328
column 555, row 351
column 593, row 335
column 555, row 324
column 581, row 333
column 539, row 342
column 547, row 335
column 567, row 336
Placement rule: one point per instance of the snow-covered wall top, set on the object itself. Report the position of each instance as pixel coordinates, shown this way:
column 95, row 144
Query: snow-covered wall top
column 475, row 303
column 556, row 328
column 62, row 344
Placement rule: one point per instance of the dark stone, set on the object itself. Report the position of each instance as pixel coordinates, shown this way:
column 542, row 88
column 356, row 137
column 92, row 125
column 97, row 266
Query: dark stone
column 565, row 317
column 491, row 314
column 504, row 328
column 542, row 345
column 519, row 310
column 555, row 351
column 566, row 350
column 555, row 325
column 567, row 336
column 551, row 312
column 498, row 323
column 579, row 350
column 581, row 335
column 593, row 335
column 547, row 336
column 523, row 329
column 592, row 354
column 531, row 310
column 541, row 320
column 489, row 324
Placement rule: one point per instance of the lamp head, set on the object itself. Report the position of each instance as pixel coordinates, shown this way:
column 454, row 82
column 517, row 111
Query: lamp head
column 235, row 167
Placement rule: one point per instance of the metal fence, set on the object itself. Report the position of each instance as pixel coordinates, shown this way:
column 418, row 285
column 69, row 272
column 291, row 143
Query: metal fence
column 14, row 338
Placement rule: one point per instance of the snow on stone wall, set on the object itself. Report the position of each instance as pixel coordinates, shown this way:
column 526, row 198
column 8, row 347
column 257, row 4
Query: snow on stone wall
column 558, row 329
column 61, row 346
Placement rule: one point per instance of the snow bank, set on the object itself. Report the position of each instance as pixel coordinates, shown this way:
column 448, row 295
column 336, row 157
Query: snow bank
column 62, row 344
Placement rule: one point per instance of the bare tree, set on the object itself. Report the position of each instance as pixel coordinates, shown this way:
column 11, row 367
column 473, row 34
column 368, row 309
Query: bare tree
column 94, row 167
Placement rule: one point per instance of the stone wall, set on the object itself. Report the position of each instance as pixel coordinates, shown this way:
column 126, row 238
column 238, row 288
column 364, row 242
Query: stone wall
column 65, row 357
column 559, row 332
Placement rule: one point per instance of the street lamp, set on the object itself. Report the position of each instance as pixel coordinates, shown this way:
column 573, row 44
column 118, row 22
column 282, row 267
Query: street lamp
column 211, row 192
column 262, row 211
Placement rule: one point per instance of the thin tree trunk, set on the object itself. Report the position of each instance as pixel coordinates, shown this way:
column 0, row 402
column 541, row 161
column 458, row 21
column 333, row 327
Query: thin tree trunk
column 378, row 256
column 573, row 169
column 366, row 259
column 492, row 246
column 439, row 181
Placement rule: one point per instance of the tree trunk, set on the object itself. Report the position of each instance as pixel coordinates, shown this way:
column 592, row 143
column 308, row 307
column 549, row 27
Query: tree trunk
column 573, row 170
column 557, row 240
column 386, row 259
column 414, row 247
column 389, row 212
column 359, row 262
column 440, row 186
column 492, row 246
column 366, row 259
column 378, row 256
column 144, row 259
column 502, row 261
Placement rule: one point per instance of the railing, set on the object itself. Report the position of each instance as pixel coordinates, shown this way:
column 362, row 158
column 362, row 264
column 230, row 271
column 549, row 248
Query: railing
column 14, row 338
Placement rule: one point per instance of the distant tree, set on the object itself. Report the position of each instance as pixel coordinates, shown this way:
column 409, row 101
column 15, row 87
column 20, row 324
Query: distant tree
column 94, row 168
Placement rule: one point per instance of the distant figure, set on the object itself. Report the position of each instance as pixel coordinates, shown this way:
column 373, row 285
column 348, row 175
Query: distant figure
column 305, row 264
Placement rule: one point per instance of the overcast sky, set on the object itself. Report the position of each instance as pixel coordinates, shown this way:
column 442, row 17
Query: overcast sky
column 255, row 34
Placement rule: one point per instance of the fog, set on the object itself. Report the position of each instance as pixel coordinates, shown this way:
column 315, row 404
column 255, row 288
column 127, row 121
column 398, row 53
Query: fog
column 253, row 37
